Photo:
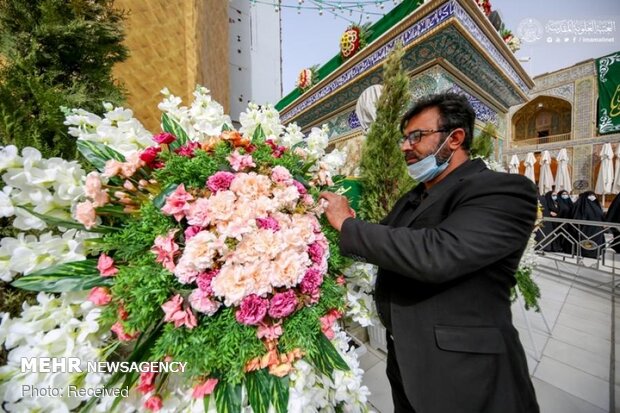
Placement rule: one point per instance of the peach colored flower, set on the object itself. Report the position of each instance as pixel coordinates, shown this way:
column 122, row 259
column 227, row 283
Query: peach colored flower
column 269, row 332
column 118, row 329
column 132, row 164
column 202, row 302
column 112, row 168
column 280, row 370
column 221, row 205
column 94, row 190
column 204, row 388
column 240, row 162
column 166, row 249
column 175, row 313
column 177, row 203
column 281, row 175
column 106, row 267
column 85, row 214
column 100, row 296
column 198, row 213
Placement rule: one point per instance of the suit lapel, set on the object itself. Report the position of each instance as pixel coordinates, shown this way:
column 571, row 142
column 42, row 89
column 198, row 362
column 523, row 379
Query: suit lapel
column 443, row 187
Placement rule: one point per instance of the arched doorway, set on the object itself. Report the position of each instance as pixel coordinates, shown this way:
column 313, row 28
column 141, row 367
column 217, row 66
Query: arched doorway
column 545, row 119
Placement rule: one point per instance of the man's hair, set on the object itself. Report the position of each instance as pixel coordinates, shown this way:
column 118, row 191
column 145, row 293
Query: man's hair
column 455, row 111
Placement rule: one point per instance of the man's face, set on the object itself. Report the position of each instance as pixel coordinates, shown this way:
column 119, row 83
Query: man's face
column 427, row 120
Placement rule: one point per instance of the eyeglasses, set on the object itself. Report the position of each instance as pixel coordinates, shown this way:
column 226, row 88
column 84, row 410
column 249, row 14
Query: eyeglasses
column 416, row 135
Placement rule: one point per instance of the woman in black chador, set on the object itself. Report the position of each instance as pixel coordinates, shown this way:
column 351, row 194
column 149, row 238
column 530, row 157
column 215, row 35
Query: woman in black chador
column 613, row 215
column 588, row 208
column 565, row 211
column 550, row 209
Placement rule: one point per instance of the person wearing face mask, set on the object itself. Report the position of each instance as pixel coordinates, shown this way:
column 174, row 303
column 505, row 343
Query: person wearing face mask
column 550, row 208
column 447, row 255
column 587, row 208
column 565, row 211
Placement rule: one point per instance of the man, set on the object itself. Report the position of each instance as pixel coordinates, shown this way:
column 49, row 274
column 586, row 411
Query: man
column 447, row 255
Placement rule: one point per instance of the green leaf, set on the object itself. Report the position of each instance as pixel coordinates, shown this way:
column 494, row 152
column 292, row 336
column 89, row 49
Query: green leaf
column 228, row 397
column 258, row 135
column 226, row 127
column 98, row 154
column 160, row 199
column 259, row 385
column 116, row 210
column 170, row 125
column 71, row 276
column 58, row 222
column 205, row 401
column 327, row 357
column 279, row 393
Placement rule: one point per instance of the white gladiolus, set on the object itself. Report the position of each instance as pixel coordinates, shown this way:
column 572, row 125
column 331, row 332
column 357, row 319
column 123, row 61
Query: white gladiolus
column 292, row 136
column 266, row 116
column 317, row 141
column 6, row 205
column 9, row 158
column 360, row 285
column 207, row 115
column 335, row 160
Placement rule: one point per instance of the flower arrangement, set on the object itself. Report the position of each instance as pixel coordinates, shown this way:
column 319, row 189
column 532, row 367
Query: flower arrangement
column 307, row 78
column 512, row 41
column 204, row 245
column 353, row 40
column 485, row 6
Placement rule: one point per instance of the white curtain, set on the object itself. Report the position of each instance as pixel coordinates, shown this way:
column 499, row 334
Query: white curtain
column 513, row 166
column 562, row 176
column 366, row 107
column 545, row 180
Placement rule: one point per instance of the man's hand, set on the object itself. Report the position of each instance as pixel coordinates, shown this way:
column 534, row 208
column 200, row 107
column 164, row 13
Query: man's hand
column 337, row 209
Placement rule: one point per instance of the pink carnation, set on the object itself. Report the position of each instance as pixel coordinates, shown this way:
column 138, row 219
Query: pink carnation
column 281, row 175
column 282, row 304
column 174, row 312
column 204, row 280
column 188, row 149
column 112, row 168
column 100, row 296
column 252, row 310
column 220, row 181
column 154, row 403
column 316, row 252
column 240, row 162
column 106, row 267
column 94, row 190
column 201, row 302
column 268, row 223
column 164, row 138
column 118, row 329
column 300, row 187
column 191, row 231
column 147, row 382
column 165, row 248
column 312, row 281
column 327, row 323
column 176, row 203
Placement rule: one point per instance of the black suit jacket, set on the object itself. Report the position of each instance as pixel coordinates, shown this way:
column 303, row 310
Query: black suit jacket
column 445, row 273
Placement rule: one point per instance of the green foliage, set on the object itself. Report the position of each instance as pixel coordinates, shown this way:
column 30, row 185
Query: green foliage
column 384, row 173
column 195, row 171
column 482, row 146
column 138, row 235
column 220, row 345
column 336, row 261
column 527, row 288
column 55, row 53
column 70, row 276
column 142, row 288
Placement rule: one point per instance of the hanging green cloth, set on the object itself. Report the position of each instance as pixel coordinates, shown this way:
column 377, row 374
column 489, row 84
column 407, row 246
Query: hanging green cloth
column 608, row 68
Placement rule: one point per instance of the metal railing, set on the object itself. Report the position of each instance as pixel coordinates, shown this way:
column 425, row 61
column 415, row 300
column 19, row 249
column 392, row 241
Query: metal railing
column 542, row 141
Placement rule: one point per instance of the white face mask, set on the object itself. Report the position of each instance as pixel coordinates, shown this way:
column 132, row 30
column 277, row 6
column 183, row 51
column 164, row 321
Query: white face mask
column 592, row 197
column 564, row 196
column 427, row 168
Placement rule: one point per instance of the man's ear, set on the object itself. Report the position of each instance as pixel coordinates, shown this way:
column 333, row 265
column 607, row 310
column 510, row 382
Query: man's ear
column 457, row 139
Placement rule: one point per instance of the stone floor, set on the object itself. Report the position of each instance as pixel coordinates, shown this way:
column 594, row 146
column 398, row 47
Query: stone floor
column 568, row 355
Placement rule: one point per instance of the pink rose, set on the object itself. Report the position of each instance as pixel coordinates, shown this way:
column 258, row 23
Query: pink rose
column 118, row 329
column 177, row 203
column 220, row 181
column 147, row 382
column 149, row 155
column 282, row 304
column 252, row 310
column 204, row 388
column 187, row 150
column 164, row 138
column 154, row 403
column 100, row 296
column 106, row 267
column 85, row 214
column 204, row 280
column 268, row 223
column 201, row 302
column 281, row 175
column 312, row 281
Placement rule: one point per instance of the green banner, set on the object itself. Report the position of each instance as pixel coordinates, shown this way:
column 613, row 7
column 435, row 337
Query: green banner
column 608, row 68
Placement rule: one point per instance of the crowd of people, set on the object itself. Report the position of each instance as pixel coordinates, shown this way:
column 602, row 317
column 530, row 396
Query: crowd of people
column 587, row 240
